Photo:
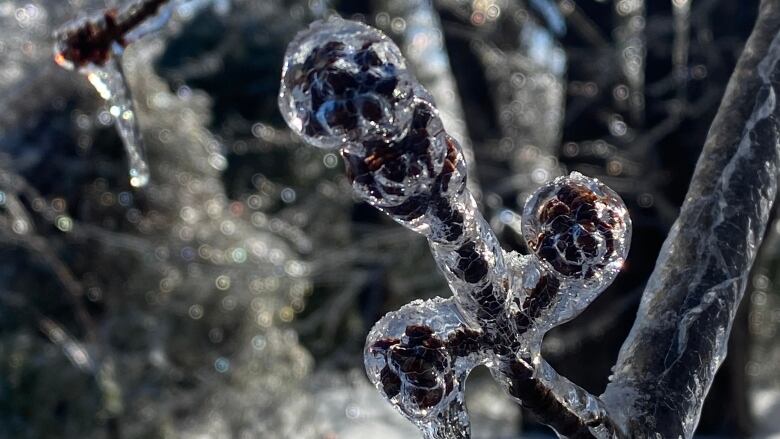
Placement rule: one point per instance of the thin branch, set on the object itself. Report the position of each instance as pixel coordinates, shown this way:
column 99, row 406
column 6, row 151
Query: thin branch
column 543, row 392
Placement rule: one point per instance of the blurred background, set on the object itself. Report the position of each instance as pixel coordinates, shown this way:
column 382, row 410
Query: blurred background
column 231, row 297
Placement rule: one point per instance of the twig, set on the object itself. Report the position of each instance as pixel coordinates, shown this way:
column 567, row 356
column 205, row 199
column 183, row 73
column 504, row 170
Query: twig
column 503, row 303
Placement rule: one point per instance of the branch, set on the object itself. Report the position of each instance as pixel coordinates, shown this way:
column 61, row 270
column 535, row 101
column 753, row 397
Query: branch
column 345, row 86
column 557, row 402
column 667, row 364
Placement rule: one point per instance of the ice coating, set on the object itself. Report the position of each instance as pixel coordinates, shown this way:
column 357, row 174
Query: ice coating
column 405, row 164
column 397, row 174
column 422, row 355
column 580, row 228
column 92, row 40
column 86, row 41
column 344, row 81
column 93, row 46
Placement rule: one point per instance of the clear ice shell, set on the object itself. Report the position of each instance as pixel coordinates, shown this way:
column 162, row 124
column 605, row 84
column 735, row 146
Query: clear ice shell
column 109, row 81
column 388, row 174
column 76, row 31
column 580, row 229
column 152, row 24
column 418, row 359
column 331, row 57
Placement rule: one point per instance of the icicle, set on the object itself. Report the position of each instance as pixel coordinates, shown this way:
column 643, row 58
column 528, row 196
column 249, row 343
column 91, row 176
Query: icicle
column 94, row 47
column 631, row 48
column 681, row 10
column 109, row 81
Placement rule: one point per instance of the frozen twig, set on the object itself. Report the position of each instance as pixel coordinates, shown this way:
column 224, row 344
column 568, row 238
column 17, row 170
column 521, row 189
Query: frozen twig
column 345, row 85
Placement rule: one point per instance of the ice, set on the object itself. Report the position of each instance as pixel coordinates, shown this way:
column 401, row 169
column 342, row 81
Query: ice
column 678, row 342
column 94, row 46
column 423, row 43
column 207, row 289
column 404, row 163
column 580, row 228
column 331, row 58
column 629, row 31
column 154, row 22
column 419, row 357
column 109, row 81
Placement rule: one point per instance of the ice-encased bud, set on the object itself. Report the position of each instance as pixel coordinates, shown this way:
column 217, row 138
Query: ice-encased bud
column 399, row 176
column 419, row 356
column 579, row 228
column 344, row 81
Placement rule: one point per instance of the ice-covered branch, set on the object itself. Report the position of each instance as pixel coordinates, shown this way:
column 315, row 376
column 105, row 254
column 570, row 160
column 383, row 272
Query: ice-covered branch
column 678, row 341
column 345, row 85
column 559, row 403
